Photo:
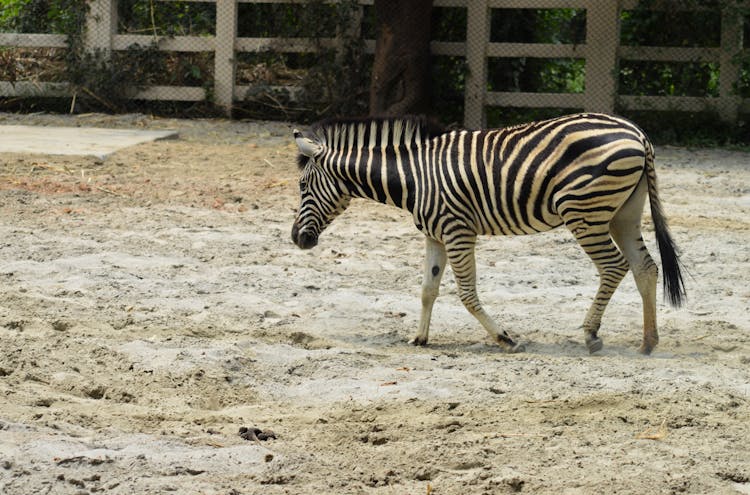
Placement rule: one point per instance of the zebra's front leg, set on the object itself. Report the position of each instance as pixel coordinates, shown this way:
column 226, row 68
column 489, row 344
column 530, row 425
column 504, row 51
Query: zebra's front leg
column 463, row 263
column 434, row 266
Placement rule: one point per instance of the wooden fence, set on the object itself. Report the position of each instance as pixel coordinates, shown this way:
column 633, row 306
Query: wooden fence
column 601, row 51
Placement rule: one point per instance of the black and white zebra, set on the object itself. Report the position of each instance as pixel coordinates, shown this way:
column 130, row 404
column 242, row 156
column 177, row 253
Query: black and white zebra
column 590, row 172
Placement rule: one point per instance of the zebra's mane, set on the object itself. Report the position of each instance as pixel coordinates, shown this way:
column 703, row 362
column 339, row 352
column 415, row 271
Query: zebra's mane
column 329, row 131
column 389, row 131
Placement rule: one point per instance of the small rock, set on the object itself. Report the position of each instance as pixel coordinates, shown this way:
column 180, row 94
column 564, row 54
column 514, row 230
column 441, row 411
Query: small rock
column 379, row 440
column 423, row 474
column 60, row 325
column 253, row 433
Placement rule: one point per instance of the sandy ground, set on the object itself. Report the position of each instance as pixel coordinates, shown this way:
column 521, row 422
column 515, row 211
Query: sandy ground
column 152, row 304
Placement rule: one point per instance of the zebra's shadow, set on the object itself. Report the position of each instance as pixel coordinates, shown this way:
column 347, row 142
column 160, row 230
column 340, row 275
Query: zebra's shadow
column 571, row 348
column 452, row 346
column 560, row 348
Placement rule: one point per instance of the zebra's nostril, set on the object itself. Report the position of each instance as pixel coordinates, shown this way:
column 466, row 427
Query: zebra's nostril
column 307, row 240
column 303, row 238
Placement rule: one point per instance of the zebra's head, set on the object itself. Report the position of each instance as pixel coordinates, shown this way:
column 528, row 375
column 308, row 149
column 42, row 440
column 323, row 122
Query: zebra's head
column 322, row 196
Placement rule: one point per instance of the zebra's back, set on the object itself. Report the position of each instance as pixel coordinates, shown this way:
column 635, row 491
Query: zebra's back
column 535, row 177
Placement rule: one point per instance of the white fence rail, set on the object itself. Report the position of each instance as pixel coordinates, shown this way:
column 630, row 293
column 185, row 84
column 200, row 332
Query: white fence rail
column 601, row 51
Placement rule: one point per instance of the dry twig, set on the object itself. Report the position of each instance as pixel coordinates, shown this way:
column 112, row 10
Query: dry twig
column 522, row 435
column 108, row 191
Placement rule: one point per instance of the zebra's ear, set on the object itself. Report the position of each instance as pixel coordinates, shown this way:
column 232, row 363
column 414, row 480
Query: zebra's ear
column 306, row 146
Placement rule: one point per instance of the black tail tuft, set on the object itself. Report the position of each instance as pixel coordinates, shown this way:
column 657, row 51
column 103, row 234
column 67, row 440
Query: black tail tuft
column 674, row 286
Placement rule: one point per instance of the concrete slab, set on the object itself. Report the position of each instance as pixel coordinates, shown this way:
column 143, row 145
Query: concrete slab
column 81, row 141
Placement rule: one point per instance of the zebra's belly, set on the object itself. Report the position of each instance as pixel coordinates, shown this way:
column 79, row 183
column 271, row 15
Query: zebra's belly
column 519, row 220
column 521, row 229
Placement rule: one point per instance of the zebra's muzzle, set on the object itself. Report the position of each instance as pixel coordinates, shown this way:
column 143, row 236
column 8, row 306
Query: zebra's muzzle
column 304, row 238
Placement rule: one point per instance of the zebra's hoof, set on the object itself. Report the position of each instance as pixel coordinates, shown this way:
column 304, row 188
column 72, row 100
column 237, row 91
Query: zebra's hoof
column 645, row 349
column 518, row 348
column 595, row 344
column 418, row 341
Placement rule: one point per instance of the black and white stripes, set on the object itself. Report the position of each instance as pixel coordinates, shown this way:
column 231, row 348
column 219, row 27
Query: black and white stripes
column 590, row 172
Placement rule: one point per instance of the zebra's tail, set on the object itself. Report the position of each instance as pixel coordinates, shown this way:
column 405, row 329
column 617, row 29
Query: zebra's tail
column 674, row 286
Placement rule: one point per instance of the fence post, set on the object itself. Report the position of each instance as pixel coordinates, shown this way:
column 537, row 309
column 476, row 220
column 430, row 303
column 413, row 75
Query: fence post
column 729, row 70
column 224, row 54
column 101, row 25
column 602, row 43
column 477, row 37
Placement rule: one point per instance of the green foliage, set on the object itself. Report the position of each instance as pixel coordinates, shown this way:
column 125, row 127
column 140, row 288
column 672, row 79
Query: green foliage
column 313, row 19
column 509, row 74
column 536, row 75
column 332, row 81
column 335, row 79
column 691, row 28
column 676, row 28
column 694, row 129
column 166, row 18
column 448, row 76
column 98, row 80
column 677, row 23
column 38, row 16
column 554, row 75
column 12, row 18
column 448, row 24
column 448, row 73
column 672, row 24
column 538, row 26
column 669, row 79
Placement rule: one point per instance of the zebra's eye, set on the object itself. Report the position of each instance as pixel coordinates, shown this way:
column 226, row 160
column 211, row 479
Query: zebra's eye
column 302, row 185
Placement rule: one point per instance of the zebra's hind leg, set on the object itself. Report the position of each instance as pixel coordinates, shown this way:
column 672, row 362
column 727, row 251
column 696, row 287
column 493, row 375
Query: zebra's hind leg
column 626, row 231
column 434, row 266
column 612, row 266
column 463, row 263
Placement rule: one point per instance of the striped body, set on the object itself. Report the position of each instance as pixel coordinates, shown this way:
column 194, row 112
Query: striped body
column 579, row 170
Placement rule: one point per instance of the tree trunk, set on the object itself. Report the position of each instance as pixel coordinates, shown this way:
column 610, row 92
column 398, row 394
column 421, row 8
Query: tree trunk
column 401, row 72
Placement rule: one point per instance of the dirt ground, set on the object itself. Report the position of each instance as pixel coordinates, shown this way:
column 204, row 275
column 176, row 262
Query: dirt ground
column 152, row 304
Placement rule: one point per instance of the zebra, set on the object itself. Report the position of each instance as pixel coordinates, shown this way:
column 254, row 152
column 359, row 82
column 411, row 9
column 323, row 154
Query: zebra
column 590, row 172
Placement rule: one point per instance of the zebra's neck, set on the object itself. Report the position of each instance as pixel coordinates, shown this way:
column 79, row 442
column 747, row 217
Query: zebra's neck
column 377, row 159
